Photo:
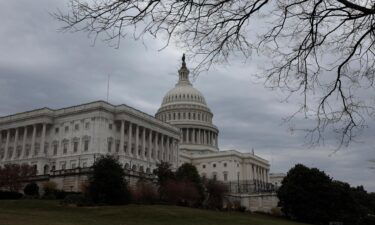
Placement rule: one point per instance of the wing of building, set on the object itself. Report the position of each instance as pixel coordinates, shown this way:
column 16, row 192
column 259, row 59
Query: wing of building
column 181, row 131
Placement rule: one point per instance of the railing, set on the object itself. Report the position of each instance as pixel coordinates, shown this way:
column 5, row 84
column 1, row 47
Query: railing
column 249, row 186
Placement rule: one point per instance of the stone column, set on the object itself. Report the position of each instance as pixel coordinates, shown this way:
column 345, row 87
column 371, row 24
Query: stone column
column 199, row 136
column 42, row 142
column 24, row 142
column 122, row 137
column 194, row 137
column 130, row 136
column 15, row 144
column 149, row 145
column 156, row 150
column 136, row 141
column 217, row 140
column 162, row 147
column 7, row 145
column 33, row 141
column 167, row 152
column 143, row 143
column 187, row 135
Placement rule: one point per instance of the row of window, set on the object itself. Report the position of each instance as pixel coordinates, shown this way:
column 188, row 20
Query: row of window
column 55, row 145
column 184, row 97
column 183, row 115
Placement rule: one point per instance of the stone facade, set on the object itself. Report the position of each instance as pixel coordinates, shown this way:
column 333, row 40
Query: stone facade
column 75, row 136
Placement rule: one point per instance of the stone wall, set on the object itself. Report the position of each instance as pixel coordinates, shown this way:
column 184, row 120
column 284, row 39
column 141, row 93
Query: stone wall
column 259, row 202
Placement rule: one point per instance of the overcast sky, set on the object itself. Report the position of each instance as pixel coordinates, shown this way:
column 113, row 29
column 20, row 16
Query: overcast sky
column 40, row 67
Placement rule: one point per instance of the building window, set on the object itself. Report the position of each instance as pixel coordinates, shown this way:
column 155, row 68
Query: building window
column 109, row 145
column 73, row 165
column 76, row 127
column 110, row 126
column 225, row 164
column 36, row 149
column 66, row 129
column 75, row 146
column 84, row 164
column 56, row 130
column 214, row 176
column 63, row 165
column 203, row 166
column 87, row 125
column 46, row 145
column 65, row 147
column 214, row 165
column 225, row 174
column 86, row 145
column 55, row 149
column 117, row 146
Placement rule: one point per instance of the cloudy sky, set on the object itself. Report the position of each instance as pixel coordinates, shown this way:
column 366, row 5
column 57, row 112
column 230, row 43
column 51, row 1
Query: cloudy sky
column 40, row 67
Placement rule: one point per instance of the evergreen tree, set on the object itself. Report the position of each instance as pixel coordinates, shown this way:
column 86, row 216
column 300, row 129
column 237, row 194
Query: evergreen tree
column 107, row 183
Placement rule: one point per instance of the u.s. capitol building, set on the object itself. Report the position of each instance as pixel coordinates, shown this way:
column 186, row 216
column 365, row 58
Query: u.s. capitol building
column 57, row 140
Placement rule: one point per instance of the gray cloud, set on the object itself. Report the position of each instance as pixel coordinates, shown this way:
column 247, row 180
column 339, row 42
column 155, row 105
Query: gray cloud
column 40, row 67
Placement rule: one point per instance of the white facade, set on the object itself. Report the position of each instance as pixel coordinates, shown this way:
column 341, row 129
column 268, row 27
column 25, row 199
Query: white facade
column 185, row 107
column 75, row 136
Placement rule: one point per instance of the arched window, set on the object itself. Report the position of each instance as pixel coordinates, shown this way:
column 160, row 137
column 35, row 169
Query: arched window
column 189, row 116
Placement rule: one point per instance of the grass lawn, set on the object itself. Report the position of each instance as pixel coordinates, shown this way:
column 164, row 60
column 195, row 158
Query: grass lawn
column 44, row 212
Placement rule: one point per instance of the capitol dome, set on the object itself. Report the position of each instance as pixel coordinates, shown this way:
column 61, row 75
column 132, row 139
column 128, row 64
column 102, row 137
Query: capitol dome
column 185, row 107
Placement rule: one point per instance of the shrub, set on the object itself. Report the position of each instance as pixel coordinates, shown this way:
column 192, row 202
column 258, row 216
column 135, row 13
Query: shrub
column 49, row 188
column 76, row 199
column 182, row 193
column 216, row 191
column 144, row 192
column 31, row 189
column 61, row 194
column 276, row 211
column 367, row 220
column 107, row 183
column 10, row 195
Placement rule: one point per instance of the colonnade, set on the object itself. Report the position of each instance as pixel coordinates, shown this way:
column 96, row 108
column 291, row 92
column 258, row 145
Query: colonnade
column 199, row 136
column 147, row 144
column 13, row 144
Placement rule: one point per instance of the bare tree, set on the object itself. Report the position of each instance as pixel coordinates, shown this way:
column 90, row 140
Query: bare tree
column 321, row 50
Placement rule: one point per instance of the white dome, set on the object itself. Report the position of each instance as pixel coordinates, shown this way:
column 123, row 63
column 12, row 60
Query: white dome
column 183, row 93
column 185, row 107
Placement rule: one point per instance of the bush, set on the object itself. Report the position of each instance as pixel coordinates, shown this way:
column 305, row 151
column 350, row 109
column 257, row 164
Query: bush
column 276, row 211
column 10, row 195
column 31, row 189
column 145, row 192
column 49, row 189
column 61, row 194
column 367, row 220
column 216, row 191
column 76, row 199
column 181, row 193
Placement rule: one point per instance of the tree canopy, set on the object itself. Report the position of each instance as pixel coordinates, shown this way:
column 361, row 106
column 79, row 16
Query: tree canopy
column 321, row 51
column 309, row 195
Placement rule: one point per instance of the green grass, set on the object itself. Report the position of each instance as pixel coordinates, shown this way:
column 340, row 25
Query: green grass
column 44, row 212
